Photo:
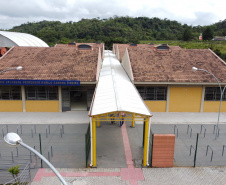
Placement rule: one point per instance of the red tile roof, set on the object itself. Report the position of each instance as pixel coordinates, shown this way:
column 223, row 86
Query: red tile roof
column 122, row 48
column 54, row 63
column 175, row 65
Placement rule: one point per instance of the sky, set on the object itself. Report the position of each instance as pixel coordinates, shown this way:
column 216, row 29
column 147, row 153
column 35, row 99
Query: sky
column 191, row 12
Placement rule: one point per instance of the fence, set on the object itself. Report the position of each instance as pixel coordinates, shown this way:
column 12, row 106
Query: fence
column 88, row 144
column 195, row 145
column 62, row 145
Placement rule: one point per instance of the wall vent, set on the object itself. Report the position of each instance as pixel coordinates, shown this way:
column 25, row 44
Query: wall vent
column 72, row 44
column 133, row 44
column 162, row 47
column 84, row 47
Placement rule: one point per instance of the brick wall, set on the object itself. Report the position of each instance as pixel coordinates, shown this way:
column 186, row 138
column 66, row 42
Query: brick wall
column 163, row 150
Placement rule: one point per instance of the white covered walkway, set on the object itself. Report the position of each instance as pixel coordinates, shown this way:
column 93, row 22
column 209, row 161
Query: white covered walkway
column 116, row 96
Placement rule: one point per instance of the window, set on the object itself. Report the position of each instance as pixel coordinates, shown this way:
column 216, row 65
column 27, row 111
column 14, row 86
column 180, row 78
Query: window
column 10, row 93
column 214, row 94
column 152, row 93
column 41, row 93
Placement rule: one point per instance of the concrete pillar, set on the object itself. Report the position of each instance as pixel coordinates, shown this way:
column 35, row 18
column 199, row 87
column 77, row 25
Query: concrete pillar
column 23, row 97
column 168, row 99
column 202, row 100
column 60, row 98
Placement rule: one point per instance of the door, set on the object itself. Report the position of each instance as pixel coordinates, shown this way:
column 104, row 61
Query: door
column 66, row 104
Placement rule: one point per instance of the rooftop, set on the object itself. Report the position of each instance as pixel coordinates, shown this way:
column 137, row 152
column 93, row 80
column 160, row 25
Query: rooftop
column 122, row 48
column 175, row 65
column 53, row 63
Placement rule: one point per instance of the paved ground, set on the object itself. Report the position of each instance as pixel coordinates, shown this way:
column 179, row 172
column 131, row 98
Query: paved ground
column 119, row 148
column 79, row 117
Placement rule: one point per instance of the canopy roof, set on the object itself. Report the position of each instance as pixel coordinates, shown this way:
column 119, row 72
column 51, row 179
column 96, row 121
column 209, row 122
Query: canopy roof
column 9, row 39
column 115, row 91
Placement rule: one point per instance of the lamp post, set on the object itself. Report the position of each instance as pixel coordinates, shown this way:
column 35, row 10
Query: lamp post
column 19, row 68
column 14, row 140
column 222, row 93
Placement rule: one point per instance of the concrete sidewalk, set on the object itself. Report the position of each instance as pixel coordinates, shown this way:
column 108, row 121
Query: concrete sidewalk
column 71, row 117
column 80, row 117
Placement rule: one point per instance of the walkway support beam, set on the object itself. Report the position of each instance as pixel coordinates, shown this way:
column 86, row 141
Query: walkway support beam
column 98, row 121
column 133, row 121
column 145, row 155
column 94, row 141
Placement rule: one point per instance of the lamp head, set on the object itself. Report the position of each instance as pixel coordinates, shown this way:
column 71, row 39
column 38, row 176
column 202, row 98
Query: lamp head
column 19, row 68
column 12, row 139
column 194, row 69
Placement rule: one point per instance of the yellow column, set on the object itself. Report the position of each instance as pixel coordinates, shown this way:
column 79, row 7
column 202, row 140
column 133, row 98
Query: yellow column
column 98, row 121
column 94, row 141
column 145, row 142
column 133, row 121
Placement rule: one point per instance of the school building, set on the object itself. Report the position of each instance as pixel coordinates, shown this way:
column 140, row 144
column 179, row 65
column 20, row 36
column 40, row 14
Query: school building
column 53, row 79
column 164, row 78
column 64, row 77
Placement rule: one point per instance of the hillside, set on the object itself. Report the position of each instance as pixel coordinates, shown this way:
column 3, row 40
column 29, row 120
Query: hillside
column 124, row 30
column 117, row 29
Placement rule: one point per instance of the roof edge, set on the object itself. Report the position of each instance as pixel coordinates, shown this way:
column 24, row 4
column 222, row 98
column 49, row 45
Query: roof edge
column 7, row 52
column 217, row 56
column 177, row 83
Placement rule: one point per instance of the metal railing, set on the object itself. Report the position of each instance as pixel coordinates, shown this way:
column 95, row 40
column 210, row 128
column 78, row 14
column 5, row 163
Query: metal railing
column 190, row 130
column 208, row 146
column 7, row 130
column 50, row 152
column 202, row 126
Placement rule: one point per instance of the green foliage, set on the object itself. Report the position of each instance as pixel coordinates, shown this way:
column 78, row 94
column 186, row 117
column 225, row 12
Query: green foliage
column 14, row 171
column 115, row 29
column 126, row 30
column 187, row 36
column 207, row 34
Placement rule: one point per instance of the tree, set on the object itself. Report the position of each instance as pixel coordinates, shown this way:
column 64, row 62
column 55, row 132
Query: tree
column 15, row 171
column 207, row 34
column 187, row 36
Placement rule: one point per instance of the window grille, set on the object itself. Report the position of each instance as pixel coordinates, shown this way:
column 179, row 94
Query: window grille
column 41, row 93
column 152, row 93
column 214, row 94
column 10, row 93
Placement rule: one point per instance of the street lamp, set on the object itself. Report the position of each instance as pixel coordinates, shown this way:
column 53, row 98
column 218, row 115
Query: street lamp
column 19, row 68
column 222, row 93
column 14, row 140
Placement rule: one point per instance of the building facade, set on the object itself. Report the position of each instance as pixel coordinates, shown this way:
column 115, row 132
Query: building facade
column 52, row 79
column 163, row 75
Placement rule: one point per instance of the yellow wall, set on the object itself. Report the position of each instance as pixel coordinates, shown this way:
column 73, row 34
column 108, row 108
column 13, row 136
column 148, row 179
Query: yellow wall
column 42, row 106
column 185, row 99
column 11, row 106
column 213, row 106
column 156, row 106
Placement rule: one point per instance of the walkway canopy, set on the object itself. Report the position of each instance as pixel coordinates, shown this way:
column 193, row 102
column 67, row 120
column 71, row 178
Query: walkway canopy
column 10, row 39
column 115, row 92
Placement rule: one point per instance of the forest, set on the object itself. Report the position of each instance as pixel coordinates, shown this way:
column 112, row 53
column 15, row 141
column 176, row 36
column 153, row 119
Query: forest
column 125, row 30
